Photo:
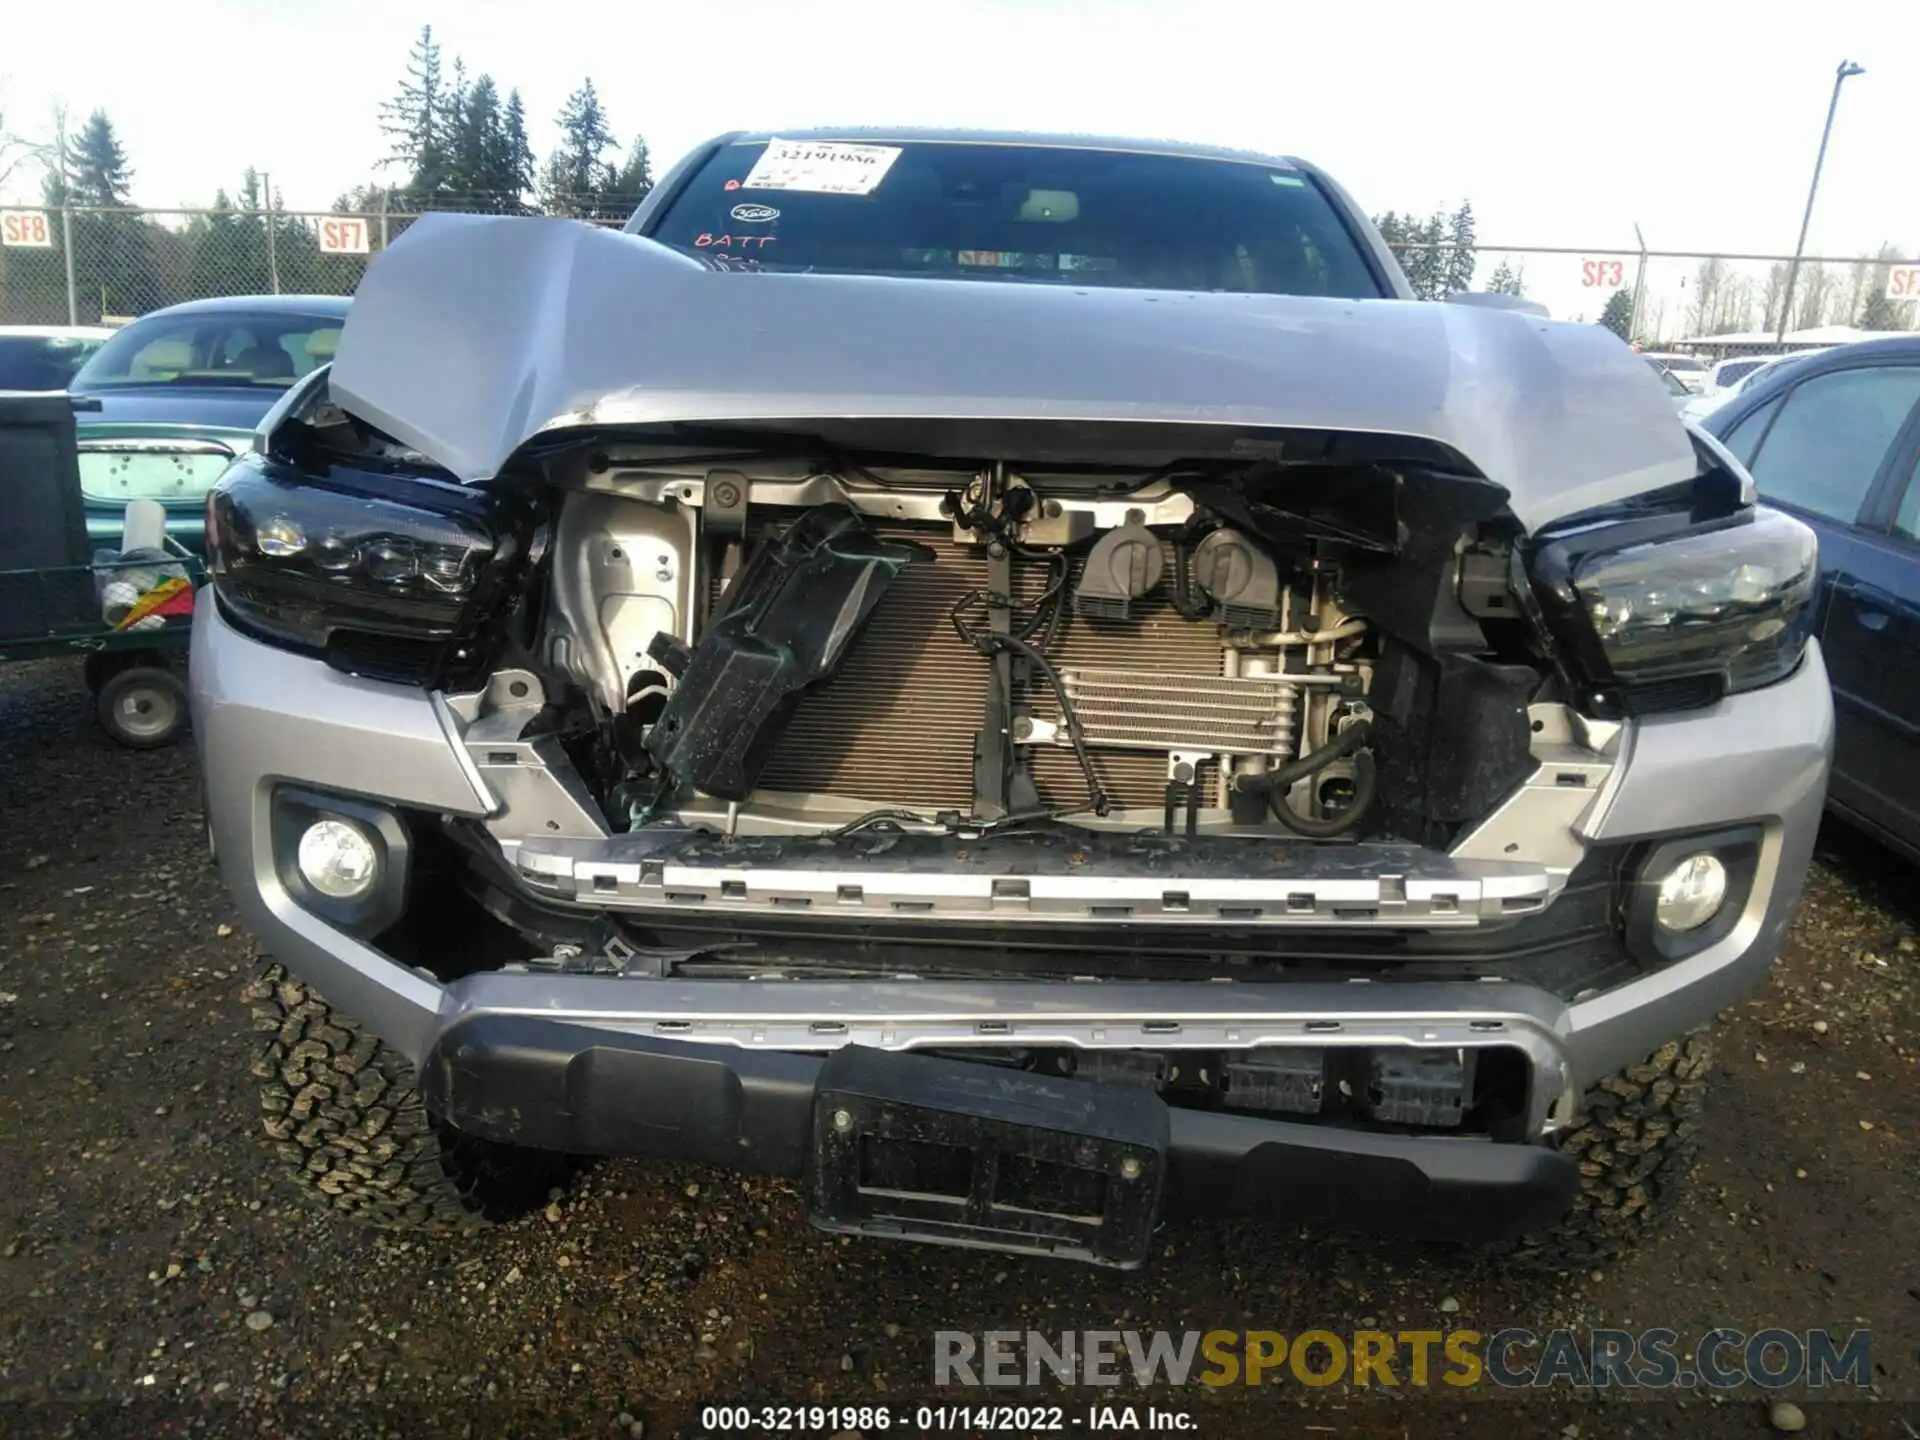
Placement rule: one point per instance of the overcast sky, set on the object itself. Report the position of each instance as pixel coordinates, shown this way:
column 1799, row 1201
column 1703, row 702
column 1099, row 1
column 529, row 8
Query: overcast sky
column 1563, row 123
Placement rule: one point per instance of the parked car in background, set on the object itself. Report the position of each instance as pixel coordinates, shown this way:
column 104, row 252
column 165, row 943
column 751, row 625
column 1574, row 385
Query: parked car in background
column 45, row 357
column 1689, row 370
column 1729, row 373
column 1677, row 392
column 180, row 391
column 1734, row 375
column 1835, row 439
column 1707, row 401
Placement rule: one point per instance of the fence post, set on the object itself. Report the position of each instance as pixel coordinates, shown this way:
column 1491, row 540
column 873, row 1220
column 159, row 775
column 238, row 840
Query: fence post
column 1639, row 287
column 383, row 219
column 66, row 245
column 273, row 250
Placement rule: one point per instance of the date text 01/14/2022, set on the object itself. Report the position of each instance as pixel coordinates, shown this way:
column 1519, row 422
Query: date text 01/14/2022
column 938, row 1419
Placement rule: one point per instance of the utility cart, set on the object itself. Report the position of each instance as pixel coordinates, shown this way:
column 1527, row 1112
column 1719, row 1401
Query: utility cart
column 128, row 614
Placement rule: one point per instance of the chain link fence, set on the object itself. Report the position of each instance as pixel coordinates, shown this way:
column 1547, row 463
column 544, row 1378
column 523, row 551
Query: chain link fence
column 80, row 265
column 1712, row 301
column 87, row 266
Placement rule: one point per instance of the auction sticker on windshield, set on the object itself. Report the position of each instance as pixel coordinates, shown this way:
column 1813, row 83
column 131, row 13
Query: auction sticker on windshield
column 825, row 167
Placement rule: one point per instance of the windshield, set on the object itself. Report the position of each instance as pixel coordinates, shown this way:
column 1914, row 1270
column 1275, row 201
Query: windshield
column 1734, row 371
column 264, row 349
column 1681, row 362
column 42, row 362
column 1017, row 213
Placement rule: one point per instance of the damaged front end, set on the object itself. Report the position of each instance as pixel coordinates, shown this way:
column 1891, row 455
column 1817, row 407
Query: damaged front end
column 937, row 651
column 743, row 675
column 1206, row 794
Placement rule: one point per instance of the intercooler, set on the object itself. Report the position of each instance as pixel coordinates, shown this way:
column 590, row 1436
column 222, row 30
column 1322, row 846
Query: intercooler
column 896, row 726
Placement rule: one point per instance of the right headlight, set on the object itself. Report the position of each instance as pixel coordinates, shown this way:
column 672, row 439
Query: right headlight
column 380, row 582
column 1662, row 617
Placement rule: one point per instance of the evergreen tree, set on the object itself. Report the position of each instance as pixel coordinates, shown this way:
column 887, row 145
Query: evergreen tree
column 1437, row 253
column 1505, row 280
column 1879, row 311
column 98, row 173
column 515, row 160
column 473, row 152
column 1456, row 272
column 450, row 187
column 295, row 256
column 368, row 199
column 227, row 255
column 113, row 269
column 415, row 119
column 1427, row 261
column 1618, row 314
column 634, row 178
column 577, row 174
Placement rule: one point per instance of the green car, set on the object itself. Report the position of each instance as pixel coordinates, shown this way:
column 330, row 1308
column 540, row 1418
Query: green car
column 179, row 393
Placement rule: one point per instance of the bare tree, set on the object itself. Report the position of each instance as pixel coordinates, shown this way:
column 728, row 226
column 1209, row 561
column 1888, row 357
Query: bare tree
column 16, row 149
column 1733, row 305
column 1853, row 294
column 1707, row 280
column 1816, row 295
column 1774, row 293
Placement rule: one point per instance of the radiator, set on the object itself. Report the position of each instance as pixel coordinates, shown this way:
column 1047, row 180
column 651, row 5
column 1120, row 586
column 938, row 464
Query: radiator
column 896, row 726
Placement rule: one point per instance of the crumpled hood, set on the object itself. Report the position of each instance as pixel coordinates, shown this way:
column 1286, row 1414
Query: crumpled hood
column 474, row 334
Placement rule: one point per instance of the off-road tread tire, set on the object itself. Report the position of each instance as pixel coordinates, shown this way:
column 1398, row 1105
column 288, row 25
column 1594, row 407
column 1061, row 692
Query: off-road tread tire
column 343, row 1113
column 1634, row 1145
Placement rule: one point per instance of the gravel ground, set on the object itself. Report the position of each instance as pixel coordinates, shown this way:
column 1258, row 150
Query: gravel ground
column 155, row 1277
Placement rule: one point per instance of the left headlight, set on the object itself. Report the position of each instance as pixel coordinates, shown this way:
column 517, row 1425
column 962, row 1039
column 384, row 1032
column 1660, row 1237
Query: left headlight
column 1669, row 621
column 377, row 582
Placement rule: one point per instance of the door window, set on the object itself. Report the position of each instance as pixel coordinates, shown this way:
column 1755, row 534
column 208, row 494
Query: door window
column 1907, row 523
column 1830, row 438
column 1744, row 438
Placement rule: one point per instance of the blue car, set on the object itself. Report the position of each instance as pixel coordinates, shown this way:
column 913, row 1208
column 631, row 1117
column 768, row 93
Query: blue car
column 1834, row 438
column 179, row 392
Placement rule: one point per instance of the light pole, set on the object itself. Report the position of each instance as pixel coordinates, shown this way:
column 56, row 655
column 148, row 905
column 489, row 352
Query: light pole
column 1847, row 68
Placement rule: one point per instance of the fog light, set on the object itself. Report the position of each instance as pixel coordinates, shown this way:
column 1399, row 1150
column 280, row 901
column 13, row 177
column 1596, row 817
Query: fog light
column 1691, row 894
column 339, row 859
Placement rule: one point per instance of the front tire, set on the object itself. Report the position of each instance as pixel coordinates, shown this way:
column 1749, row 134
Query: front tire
column 343, row 1113
column 1634, row 1145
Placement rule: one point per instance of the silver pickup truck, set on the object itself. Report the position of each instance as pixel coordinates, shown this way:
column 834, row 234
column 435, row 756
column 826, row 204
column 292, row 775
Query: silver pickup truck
column 1023, row 680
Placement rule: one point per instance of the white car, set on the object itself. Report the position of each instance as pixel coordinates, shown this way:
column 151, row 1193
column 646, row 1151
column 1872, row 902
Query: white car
column 1689, row 370
column 1728, row 374
column 1730, row 377
column 45, row 357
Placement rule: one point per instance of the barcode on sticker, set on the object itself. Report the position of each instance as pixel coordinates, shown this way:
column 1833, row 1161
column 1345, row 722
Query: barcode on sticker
column 826, row 167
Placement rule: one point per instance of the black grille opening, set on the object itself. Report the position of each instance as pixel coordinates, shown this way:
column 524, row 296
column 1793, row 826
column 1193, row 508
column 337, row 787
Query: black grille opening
column 395, row 658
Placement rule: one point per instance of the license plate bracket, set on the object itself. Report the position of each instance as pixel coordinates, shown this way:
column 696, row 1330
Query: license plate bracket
column 962, row 1153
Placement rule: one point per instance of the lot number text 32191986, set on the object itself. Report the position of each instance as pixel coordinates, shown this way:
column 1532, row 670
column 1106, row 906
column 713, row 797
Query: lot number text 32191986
column 937, row 1419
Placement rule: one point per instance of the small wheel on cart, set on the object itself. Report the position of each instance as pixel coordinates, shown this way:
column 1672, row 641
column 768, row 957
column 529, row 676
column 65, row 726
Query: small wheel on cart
column 144, row 708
